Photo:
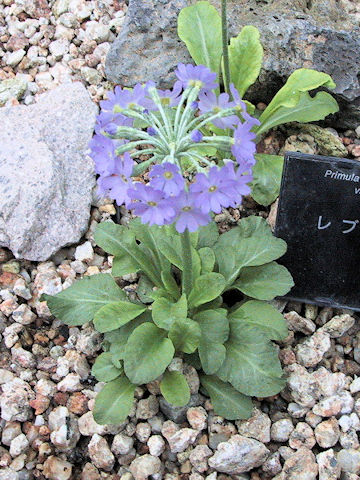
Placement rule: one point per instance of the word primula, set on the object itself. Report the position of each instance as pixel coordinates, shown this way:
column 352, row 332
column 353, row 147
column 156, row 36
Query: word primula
column 175, row 128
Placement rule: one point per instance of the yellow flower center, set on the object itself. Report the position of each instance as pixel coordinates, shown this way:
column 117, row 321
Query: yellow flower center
column 152, row 204
column 165, row 101
column 168, row 175
column 213, row 188
column 216, row 109
column 186, row 209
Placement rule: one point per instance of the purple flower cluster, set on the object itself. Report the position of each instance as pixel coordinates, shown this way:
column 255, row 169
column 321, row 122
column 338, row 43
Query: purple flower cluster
column 168, row 197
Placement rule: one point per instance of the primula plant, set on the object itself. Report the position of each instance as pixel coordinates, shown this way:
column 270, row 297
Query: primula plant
column 186, row 270
column 204, row 32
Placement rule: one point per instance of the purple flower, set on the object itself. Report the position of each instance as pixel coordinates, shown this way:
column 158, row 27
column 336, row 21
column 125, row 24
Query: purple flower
column 117, row 184
column 209, row 102
column 166, row 177
column 213, row 191
column 171, row 98
column 189, row 215
column 126, row 99
column 240, row 186
column 151, row 131
column 242, row 107
column 199, row 75
column 150, row 205
column 196, row 136
column 103, row 154
column 244, row 146
column 107, row 122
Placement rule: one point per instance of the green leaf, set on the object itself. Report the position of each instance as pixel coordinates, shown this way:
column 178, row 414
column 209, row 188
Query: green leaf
column 114, row 402
column 115, row 315
column 214, row 327
column 206, row 288
column 129, row 257
column 265, row 281
column 250, row 244
column 288, row 97
column 104, row 370
column 267, row 173
column 175, row 389
column 145, row 289
column 227, row 402
column 147, row 354
column 308, row 109
column 199, row 26
column 165, row 313
column 263, row 316
column 208, row 235
column 78, row 303
column 185, row 335
column 207, row 258
column 251, row 365
column 245, row 58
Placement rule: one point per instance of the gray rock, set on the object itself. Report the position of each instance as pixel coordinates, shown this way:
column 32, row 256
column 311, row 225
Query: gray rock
column 299, row 466
column 46, row 179
column 294, row 35
column 144, row 466
column 11, row 88
column 178, row 414
column 238, row 455
column 329, row 469
column 15, row 399
column 349, row 460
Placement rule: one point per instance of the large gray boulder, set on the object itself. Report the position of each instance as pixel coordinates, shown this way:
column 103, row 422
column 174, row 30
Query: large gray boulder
column 294, row 33
column 46, row 178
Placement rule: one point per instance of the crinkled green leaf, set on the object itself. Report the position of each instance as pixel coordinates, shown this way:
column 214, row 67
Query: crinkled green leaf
column 265, row 281
column 175, row 389
column 263, row 316
column 185, row 335
column 250, row 244
column 267, row 173
column 199, row 26
column 308, row 109
column 104, row 370
column 129, row 257
column 206, row 288
column 78, row 303
column 147, row 353
column 115, row 315
column 245, row 58
column 208, row 235
column 292, row 93
column 114, row 402
column 144, row 290
column 207, row 258
column 165, row 313
column 251, row 364
column 227, row 402
column 214, row 327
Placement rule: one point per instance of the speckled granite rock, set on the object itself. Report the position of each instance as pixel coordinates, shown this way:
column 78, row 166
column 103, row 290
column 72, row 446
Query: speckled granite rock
column 46, row 179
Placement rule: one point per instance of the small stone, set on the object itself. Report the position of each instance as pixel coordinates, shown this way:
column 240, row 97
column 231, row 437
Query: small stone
column 238, row 455
column 302, row 436
column 147, row 408
column 90, row 472
column 327, row 433
column 338, row 325
column 64, row 429
column 303, row 386
column 178, row 414
column 100, row 453
column 299, row 466
column 11, row 88
column 88, row 427
column 156, row 445
column 91, row 75
column 15, row 399
column 15, row 57
column 199, row 458
column 355, row 385
column 311, row 351
column 58, row 48
column 84, row 252
column 329, row 468
column 179, row 439
column 23, row 358
column 349, row 460
column 328, row 407
column 143, row 432
column 144, row 466
column 57, row 469
column 71, row 383
column 122, row 444
column 272, row 465
column 280, row 431
column 18, row 445
column 24, row 315
column 257, row 426
column 197, row 417
column 10, row 431
column 299, row 324
column 349, row 439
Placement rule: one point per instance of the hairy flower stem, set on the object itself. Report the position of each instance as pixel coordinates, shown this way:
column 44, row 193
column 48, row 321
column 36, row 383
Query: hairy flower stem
column 187, row 263
column 225, row 48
